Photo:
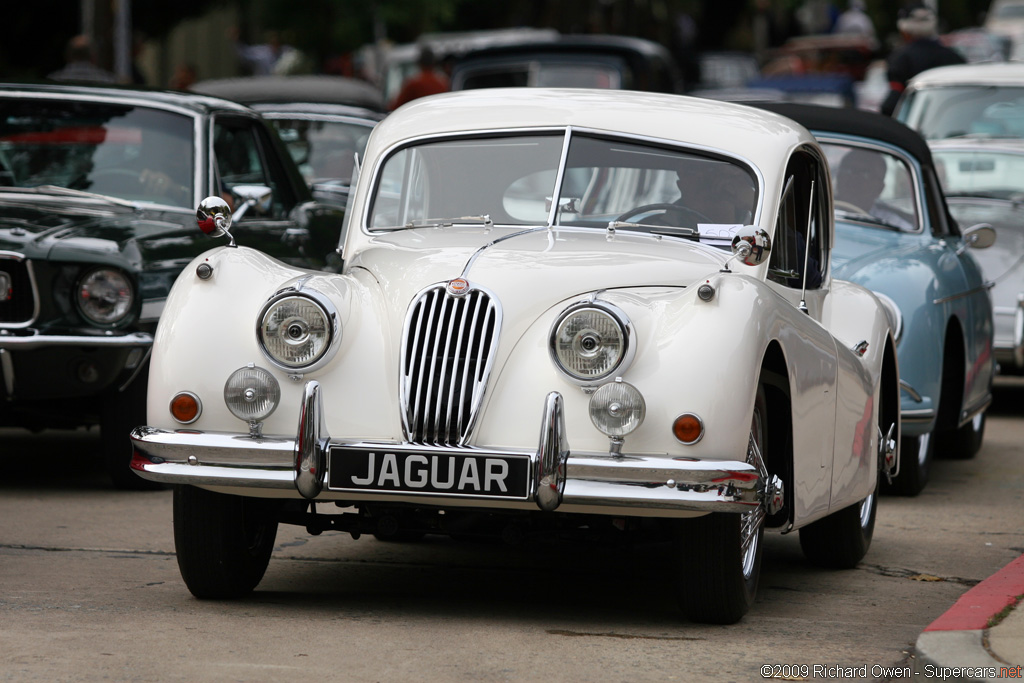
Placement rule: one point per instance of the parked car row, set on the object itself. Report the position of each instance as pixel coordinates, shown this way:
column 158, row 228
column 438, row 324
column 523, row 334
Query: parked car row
column 513, row 312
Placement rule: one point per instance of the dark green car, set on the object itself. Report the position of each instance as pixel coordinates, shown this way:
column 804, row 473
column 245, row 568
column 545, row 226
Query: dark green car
column 98, row 196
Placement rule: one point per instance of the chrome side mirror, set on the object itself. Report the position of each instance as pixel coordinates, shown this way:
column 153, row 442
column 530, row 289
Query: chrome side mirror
column 751, row 245
column 249, row 196
column 980, row 236
column 214, row 217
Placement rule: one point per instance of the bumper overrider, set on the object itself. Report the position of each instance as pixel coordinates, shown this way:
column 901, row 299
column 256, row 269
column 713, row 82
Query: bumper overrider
column 549, row 476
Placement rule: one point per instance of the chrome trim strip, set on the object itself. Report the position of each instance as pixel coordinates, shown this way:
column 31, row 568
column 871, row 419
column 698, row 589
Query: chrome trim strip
column 39, row 340
column 552, row 455
column 20, row 258
column 556, row 193
column 917, row 416
column 905, row 386
column 969, row 414
column 311, row 445
column 7, row 369
column 970, row 292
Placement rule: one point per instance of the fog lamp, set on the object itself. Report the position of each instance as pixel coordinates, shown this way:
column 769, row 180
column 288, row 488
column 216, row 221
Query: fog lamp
column 617, row 408
column 251, row 393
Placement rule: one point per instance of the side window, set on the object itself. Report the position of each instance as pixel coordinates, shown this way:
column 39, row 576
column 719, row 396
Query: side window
column 800, row 231
column 238, row 152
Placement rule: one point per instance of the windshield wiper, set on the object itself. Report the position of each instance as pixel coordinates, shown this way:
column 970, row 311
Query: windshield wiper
column 484, row 220
column 666, row 230
column 67, row 191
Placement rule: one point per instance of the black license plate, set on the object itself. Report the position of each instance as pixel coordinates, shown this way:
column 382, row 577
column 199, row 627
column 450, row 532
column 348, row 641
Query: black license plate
column 475, row 474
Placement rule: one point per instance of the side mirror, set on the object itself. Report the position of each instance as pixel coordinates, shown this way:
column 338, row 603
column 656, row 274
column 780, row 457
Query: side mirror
column 751, row 245
column 980, row 236
column 249, row 196
column 214, row 216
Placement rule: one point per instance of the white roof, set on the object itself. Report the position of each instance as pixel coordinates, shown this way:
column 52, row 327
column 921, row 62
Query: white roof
column 759, row 136
column 1001, row 73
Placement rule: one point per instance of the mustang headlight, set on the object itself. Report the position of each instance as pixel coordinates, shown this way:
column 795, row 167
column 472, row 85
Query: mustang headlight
column 590, row 341
column 299, row 331
column 892, row 311
column 105, row 296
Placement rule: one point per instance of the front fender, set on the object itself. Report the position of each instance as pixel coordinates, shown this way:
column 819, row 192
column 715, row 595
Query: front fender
column 692, row 356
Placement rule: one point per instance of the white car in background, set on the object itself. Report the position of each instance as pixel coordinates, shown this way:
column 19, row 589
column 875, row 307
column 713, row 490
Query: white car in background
column 535, row 333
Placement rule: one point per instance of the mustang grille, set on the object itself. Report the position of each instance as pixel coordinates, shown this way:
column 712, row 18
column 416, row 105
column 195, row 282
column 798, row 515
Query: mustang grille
column 17, row 296
column 448, row 346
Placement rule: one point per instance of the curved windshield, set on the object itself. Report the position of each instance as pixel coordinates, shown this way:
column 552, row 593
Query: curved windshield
column 872, row 186
column 965, row 111
column 121, row 151
column 980, row 173
column 606, row 182
column 323, row 150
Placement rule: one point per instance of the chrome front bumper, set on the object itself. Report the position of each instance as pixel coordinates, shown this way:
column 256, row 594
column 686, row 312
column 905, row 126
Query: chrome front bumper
column 557, row 477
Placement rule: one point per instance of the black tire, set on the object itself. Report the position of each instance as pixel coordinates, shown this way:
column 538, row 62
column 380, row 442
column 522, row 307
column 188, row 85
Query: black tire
column 915, row 466
column 963, row 443
column 717, row 576
column 121, row 413
column 223, row 542
column 713, row 587
column 841, row 540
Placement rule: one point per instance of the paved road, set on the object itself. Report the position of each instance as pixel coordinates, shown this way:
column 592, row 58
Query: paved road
column 90, row 590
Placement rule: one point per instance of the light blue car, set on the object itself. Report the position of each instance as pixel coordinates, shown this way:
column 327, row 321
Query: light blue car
column 895, row 236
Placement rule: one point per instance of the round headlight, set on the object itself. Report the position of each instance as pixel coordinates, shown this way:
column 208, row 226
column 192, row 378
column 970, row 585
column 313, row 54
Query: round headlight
column 105, row 296
column 589, row 343
column 251, row 394
column 296, row 332
column 617, row 408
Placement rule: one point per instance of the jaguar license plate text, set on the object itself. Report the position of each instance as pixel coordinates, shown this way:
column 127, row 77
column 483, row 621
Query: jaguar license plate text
column 451, row 474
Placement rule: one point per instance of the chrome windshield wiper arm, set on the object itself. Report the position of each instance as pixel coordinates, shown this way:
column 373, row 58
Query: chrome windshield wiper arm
column 666, row 230
column 484, row 220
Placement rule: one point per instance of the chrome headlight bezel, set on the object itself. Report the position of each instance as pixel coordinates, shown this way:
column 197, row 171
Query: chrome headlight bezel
column 626, row 335
column 125, row 308
column 331, row 324
column 893, row 313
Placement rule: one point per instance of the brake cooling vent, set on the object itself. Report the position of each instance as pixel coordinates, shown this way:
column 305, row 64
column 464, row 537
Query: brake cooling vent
column 447, row 349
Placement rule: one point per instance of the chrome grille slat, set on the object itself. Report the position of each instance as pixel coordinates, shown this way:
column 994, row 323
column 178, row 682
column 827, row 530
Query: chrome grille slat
column 448, row 346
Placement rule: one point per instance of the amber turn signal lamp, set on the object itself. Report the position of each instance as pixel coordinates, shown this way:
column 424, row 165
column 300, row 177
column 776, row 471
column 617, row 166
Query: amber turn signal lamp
column 688, row 428
column 186, row 407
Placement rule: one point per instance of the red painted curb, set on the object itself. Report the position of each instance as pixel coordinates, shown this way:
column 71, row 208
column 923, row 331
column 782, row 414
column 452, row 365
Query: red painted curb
column 975, row 607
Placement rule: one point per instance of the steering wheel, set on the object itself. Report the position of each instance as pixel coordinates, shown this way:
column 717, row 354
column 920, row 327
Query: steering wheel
column 689, row 216
column 847, row 206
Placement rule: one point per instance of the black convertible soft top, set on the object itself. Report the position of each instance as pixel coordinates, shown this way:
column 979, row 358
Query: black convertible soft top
column 853, row 122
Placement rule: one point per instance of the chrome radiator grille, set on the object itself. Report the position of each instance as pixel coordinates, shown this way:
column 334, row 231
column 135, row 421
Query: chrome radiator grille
column 448, row 347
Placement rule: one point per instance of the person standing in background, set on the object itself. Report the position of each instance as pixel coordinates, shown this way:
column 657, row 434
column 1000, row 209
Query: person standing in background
column 427, row 81
column 921, row 50
column 81, row 64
